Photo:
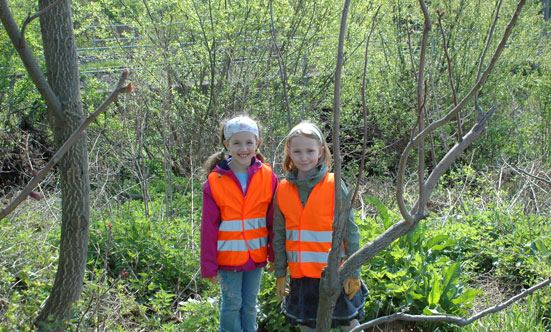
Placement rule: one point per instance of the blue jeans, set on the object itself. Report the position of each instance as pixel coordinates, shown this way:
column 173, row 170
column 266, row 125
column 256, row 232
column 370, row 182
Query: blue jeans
column 239, row 295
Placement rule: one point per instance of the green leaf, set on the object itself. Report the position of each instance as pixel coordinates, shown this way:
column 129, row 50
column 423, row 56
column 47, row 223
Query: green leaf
column 436, row 240
column 436, row 291
column 383, row 211
column 415, row 295
column 466, row 297
column 429, row 312
column 451, row 275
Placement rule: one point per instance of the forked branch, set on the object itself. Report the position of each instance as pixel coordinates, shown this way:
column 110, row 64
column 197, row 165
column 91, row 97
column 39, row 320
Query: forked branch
column 30, row 62
column 35, row 16
column 417, row 141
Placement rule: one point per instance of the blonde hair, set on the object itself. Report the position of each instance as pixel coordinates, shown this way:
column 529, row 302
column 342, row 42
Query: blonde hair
column 325, row 158
column 217, row 157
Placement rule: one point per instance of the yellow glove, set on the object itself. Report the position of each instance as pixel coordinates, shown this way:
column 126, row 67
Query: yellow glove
column 351, row 287
column 281, row 289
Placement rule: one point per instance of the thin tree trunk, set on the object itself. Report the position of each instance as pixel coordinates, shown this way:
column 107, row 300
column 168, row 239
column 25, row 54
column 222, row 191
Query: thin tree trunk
column 63, row 76
column 330, row 283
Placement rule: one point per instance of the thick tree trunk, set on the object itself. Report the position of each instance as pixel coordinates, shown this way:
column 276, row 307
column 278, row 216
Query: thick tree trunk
column 63, row 76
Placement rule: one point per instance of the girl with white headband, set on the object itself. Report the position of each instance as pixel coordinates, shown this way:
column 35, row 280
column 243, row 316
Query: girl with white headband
column 303, row 225
column 236, row 225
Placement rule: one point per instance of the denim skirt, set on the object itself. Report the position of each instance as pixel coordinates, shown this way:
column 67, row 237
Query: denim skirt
column 301, row 306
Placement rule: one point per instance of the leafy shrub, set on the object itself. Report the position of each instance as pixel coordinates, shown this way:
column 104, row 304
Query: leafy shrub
column 26, row 258
column 415, row 272
column 154, row 252
column 199, row 315
column 270, row 317
column 158, row 256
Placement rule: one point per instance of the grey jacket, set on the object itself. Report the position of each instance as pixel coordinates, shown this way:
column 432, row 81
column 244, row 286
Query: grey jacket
column 304, row 188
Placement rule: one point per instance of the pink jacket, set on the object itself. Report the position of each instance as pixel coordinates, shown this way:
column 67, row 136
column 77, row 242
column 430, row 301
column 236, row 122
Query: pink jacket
column 211, row 219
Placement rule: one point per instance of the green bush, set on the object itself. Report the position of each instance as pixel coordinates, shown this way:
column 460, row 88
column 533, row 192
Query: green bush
column 270, row 317
column 511, row 245
column 428, row 271
column 416, row 273
column 158, row 254
column 27, row 261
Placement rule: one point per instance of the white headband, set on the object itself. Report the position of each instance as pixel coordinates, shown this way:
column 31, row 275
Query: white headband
column 239, row 124
column 306, row 127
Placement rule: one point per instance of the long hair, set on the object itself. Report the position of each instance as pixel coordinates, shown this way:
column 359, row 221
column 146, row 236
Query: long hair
column 325, row 158
column 217, row 157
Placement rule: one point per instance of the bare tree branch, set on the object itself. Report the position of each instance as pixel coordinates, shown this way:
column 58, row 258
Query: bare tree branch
column 77, row 134
column 330, row 283
column 454, row 152
column 521, row 171
column 421, row 101
column 35, row 16
column 282, row 68
column 450, row 318
column 29, row 61
column 450, row 73
column 433, row 126
column 483, row 56
column 369, row 250
column 364, row 108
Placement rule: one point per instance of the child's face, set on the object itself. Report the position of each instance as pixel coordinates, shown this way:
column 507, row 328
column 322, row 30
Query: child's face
column 305, row 153
column 242, row 146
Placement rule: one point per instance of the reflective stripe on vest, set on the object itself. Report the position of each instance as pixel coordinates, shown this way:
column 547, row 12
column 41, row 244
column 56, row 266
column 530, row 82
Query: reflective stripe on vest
column 240, row 245
column 243, row 232
column 308, row 229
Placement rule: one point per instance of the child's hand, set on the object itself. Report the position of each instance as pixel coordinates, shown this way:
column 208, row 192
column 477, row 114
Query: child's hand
column 281, row 289
column 215, row 280
column 270, row 267
column 351, row 287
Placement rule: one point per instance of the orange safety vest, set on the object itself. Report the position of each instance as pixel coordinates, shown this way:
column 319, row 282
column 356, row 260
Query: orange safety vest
column 308, row 229
column 243, row 232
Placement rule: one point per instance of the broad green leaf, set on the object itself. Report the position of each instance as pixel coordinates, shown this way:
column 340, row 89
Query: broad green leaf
column 466, row 297
column 383, row 211
column 436, row 291
column 415, row 296
column 451, row 275
column 436, row 240
column 429, row 312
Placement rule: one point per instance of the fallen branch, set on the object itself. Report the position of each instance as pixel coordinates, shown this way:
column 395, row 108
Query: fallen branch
column 450, row 318
column 77, row 134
